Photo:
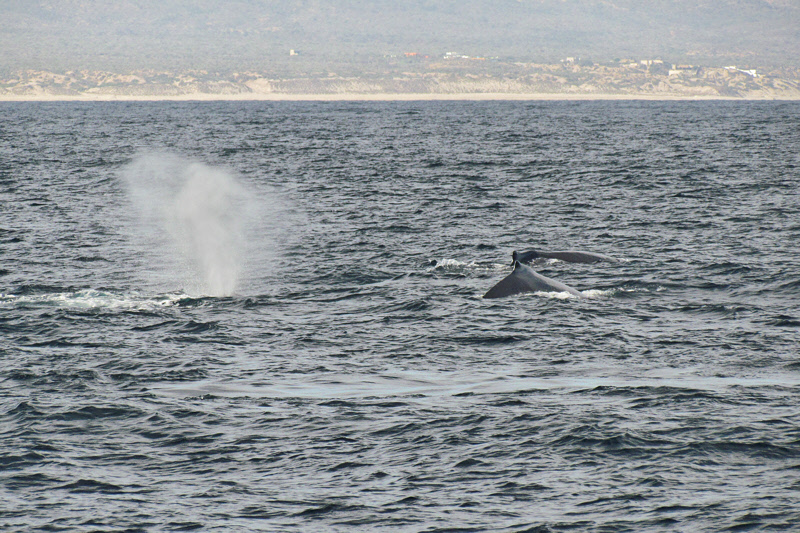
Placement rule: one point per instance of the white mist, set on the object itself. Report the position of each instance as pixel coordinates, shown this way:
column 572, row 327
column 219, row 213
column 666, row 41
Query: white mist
column 191, row 223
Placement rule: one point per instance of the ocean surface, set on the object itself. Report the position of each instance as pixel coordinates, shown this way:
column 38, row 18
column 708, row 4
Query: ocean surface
column 254, row 316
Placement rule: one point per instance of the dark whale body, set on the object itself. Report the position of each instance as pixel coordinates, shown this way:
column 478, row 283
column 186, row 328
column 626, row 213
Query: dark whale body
column 525, row 279
column 570, row 256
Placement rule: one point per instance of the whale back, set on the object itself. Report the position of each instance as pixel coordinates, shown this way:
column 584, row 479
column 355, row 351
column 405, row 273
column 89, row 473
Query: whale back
column 525, row 279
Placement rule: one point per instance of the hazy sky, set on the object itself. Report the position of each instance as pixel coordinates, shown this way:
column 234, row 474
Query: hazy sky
column 209, row 34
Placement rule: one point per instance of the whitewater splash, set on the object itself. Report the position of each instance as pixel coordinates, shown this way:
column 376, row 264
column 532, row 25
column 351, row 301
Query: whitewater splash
column 89, row 299
column 456, row 266
column 192, row 221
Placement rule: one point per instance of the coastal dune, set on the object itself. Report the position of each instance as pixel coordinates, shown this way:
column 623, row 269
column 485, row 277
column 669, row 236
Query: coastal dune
column 542, row 83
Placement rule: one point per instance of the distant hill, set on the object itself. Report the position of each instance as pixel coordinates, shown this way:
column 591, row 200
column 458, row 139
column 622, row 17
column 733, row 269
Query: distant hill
column 348, row 35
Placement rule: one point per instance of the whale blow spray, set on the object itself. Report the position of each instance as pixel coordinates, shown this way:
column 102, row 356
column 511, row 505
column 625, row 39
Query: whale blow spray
column 192, row 222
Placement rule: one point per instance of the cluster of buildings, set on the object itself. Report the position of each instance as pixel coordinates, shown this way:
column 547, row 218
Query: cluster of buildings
column 673, row 69
column 447, row 55
column 670, row 68
column 749, row 72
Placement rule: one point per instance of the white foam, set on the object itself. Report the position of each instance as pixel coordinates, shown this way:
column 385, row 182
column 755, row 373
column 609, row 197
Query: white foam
column 597, row 293
column 564, row 295
column 451, row 263
column 456, row 265
column 93, row 299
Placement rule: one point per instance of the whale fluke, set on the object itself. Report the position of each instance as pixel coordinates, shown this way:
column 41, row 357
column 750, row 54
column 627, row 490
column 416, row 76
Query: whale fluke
column 525, row 279
column 570, row 256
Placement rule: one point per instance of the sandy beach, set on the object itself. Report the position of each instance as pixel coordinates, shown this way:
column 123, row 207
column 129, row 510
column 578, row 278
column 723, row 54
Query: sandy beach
column 380, row 97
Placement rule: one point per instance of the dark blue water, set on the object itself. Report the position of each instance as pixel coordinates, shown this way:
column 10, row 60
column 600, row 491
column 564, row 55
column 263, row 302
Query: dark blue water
column 268, row 317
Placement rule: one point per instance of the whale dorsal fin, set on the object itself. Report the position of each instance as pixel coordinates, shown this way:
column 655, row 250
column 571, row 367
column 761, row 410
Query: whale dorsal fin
column 509, row 285
column 525, row 279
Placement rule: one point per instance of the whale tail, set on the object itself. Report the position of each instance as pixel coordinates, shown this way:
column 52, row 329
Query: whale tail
column 523, row 257
column 569, row 256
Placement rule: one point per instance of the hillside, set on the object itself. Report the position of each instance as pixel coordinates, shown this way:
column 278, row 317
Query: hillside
column 349, row 37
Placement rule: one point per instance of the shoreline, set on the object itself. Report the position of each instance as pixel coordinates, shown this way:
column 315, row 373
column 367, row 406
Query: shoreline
column 382, row 97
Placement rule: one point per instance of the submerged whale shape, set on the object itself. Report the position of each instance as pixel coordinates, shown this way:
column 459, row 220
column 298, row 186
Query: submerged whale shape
column 571, row 256
column 525, row 279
